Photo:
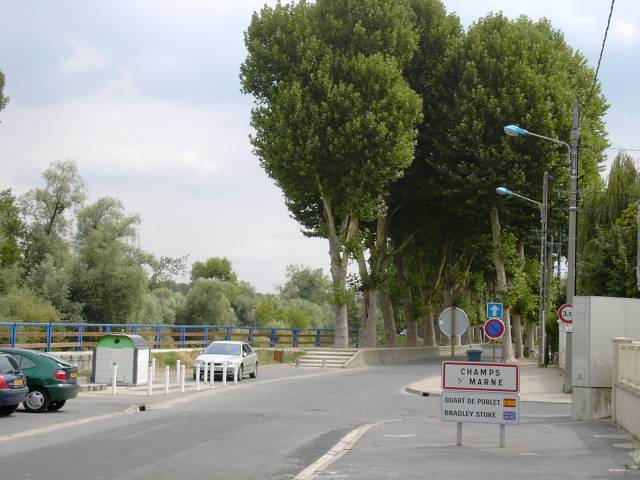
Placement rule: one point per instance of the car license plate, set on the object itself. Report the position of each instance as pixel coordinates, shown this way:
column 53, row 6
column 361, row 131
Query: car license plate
column 74, row 374
column 18, row 381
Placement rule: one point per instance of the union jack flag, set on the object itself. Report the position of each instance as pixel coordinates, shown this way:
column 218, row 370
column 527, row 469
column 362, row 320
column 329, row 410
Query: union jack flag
column 509, row 415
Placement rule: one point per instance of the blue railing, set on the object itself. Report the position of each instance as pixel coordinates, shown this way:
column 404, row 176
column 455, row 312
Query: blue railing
column 83, row 336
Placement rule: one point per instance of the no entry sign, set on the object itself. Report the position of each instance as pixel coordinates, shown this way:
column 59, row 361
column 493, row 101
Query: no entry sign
column 494, row 328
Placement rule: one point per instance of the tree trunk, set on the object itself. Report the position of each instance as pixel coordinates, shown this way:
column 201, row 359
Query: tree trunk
column 501, row 286
column 412, row 325
column 517, row 320
column 531, row 333
column 517, row 334
column 369, row 331
column 339, row 260
column 428, row 329
column 390, row 338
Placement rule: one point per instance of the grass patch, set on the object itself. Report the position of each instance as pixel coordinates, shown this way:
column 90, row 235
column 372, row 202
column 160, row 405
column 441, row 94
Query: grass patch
column 170, row 359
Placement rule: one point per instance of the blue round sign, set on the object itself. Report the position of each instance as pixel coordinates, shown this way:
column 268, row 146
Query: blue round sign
column 494, row 328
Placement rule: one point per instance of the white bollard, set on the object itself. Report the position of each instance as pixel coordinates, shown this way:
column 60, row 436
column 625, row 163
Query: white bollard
column 198, row 377
column 224, row 374
column 236, row 372
column 166, row 379
column 183, row 373
column 153, row 370
column 206, row 372
column 114, row 378
column 150, row 381
column 212, row 377
column 178, row 372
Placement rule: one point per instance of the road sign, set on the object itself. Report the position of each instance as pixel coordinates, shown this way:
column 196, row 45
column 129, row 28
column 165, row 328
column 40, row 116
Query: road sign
column 494, row 328
column 445, row 322
column 494, row 310
column 478, row 376
column 480, row 407
column 566, row 313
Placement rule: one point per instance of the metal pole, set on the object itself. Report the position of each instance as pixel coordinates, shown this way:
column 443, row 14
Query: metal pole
column 149, row 381
column 224, row 374
column 178, row 371
column 452, row 338
column 544, row 208
column 166, row 379
column 236, row 372
column 198, row 377
column 638, row 249
column 459, row 436
column 547, row 297
column 571, row 252
column 114, row 378
column 503, row 435
column 183, row 373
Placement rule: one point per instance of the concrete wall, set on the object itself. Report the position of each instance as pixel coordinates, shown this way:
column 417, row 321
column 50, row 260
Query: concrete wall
column 627, row 407
column 385, row 356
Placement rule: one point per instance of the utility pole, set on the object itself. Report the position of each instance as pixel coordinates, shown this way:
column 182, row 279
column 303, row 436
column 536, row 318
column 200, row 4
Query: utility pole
column 543, row 259
column 571, row 252
column 638, row 248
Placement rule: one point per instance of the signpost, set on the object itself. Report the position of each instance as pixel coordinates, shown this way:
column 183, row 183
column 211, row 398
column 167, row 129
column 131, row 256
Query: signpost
column 566, row 313
column 494, row 329
column 476, row 392
column 494, row 310
column 453, row 322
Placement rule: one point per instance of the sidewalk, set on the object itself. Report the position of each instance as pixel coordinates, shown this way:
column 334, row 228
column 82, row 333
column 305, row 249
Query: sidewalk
column 542, row 385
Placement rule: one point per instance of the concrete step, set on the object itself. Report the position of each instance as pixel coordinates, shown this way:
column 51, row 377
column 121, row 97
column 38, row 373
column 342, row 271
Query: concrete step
column 313, row 363
column 331, row 358
column 328, row 355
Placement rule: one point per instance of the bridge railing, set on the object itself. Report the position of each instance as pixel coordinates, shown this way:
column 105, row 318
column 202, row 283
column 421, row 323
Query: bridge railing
column 83, row 336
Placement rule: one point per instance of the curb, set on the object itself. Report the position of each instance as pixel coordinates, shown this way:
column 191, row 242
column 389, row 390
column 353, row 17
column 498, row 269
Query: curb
column 420, row 393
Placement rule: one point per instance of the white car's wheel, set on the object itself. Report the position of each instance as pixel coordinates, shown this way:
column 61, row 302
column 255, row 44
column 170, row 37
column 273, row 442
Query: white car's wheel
column 254, row 374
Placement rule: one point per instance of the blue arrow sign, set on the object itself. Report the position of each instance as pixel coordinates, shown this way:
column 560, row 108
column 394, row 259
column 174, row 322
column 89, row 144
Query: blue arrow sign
column 494, row 310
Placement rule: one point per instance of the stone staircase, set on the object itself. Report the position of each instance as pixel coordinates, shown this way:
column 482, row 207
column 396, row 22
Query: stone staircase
column 328, row 357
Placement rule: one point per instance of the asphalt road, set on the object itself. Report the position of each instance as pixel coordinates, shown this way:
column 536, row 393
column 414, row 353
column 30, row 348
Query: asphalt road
column 276, row 426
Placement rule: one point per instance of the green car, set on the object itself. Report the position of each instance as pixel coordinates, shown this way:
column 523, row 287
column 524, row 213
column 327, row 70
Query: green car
column 51, row 380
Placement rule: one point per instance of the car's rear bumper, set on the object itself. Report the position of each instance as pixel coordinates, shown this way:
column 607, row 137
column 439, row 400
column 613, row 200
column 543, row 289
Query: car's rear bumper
column 13, row 396
column 63, row 391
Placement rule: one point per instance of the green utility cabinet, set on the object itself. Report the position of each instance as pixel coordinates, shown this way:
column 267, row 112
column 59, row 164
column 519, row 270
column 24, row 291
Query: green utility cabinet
column 131, row 354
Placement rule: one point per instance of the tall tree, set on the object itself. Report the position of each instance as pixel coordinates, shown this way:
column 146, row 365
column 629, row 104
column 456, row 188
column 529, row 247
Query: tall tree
column 218, row 268
column 334, row 118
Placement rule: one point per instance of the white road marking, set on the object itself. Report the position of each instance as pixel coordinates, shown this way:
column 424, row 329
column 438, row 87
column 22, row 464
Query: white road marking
column 59, row 426
column 336, row 452
column 406, row 435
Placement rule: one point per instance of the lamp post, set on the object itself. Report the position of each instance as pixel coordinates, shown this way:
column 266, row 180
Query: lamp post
column 543, row 243
column 515, row 131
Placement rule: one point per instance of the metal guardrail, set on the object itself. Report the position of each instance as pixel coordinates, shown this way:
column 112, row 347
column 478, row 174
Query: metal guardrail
column 83, row 336
column 629, row 364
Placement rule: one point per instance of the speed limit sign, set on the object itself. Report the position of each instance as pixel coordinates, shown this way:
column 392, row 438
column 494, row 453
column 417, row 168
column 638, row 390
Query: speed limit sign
column 566, row 313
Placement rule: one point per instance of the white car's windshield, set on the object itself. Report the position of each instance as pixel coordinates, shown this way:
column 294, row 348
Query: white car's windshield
column 224, row 349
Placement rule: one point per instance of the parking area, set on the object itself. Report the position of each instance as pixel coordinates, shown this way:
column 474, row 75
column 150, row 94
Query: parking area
column 101, row 404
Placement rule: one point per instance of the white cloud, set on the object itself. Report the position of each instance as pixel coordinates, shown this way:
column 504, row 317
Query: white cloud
column 85, row 58
column 187, row 170
column 625, row 33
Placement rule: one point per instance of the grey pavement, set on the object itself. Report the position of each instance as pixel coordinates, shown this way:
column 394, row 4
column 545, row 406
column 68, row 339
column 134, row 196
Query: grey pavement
column 276, row 427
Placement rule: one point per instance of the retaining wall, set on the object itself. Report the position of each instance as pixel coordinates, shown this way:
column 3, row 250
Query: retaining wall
column 387, row 356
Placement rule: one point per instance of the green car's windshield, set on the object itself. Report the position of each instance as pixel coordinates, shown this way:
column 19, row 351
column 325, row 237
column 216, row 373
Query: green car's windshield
column 224, row 349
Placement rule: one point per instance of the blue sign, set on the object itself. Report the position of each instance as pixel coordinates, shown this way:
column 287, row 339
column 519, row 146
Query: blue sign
column 494, row 310
column 494, row 328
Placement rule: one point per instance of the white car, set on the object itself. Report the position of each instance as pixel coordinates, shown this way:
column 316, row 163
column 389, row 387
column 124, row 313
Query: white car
column 238, row 354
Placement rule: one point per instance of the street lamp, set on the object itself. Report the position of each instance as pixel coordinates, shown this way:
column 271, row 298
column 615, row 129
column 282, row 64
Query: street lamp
column 543, row 243
column 515, row 131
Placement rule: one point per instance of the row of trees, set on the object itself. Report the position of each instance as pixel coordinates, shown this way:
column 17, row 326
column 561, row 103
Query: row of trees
column 382, row 124
column 63, row 259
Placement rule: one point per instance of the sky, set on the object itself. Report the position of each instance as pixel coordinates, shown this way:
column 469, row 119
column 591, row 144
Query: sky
column 145, row 96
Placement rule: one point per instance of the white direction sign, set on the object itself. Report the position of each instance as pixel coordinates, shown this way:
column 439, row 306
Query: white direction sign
column 478, row 376
column 480, row 407
column 494, row 310
column 445, row 322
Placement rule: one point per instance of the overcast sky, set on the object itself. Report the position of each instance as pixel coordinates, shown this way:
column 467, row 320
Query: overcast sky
column 144, row 96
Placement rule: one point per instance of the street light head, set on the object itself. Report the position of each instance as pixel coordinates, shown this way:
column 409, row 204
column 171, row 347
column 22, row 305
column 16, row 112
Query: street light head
column 504, row 191
column 515, row 131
